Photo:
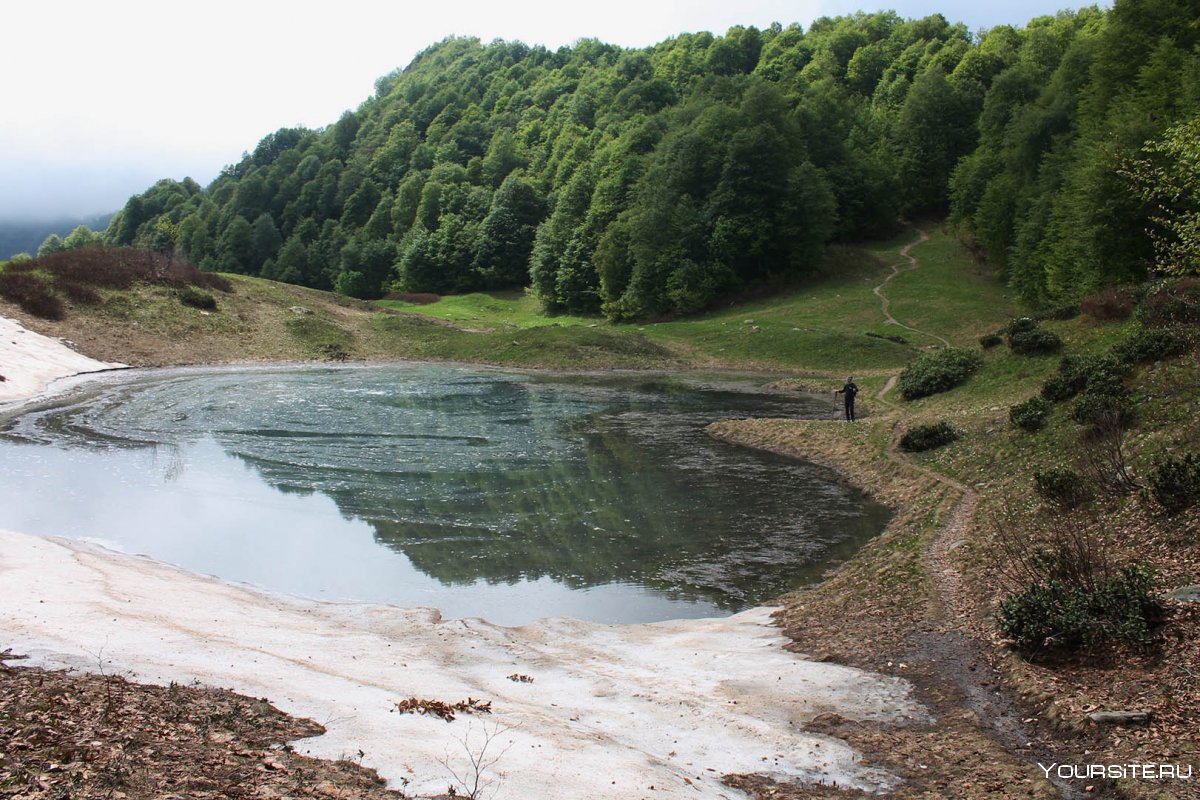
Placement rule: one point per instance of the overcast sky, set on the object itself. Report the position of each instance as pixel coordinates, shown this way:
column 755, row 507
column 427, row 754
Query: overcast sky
column 100, row 99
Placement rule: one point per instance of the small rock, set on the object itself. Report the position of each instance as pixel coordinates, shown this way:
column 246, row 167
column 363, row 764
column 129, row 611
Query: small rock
column 1120, row 717
column 300, row 311
column 1186, row 594
column 956, row 545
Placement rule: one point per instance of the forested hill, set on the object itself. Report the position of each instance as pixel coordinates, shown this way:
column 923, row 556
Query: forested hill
column 641, row 182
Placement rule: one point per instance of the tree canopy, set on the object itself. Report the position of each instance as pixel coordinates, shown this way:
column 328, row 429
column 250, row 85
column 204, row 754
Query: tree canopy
column 652, row 181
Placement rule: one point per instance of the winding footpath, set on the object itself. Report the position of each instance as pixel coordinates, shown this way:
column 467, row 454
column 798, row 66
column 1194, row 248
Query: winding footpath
column 885, row 303
column 962, row 658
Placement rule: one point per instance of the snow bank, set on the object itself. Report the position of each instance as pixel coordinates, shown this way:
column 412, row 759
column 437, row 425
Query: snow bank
column 660, row 710
column 30, row 362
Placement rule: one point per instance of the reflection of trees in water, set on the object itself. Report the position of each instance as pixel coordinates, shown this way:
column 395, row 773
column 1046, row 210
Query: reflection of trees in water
column 633, row 493
column 503, row 478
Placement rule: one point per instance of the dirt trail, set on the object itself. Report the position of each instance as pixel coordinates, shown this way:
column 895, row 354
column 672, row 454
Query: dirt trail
column 885, row 302
column 946, row 642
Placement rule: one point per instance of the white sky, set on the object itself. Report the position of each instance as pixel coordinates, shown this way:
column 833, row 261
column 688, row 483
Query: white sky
column 100, row 99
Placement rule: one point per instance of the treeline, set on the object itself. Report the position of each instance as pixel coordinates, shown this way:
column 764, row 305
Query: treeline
column 1084, row 175
column 643, row 182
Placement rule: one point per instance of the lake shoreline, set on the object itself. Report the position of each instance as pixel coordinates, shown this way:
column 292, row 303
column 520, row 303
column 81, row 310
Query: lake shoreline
column 27, row 561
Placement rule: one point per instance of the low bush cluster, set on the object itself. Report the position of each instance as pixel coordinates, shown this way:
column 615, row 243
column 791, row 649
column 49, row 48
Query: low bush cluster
column 990, row 340
column 31, row 293
column 121, row 267
column 1029, row 415
column 1104, row 399
column 1175, row 482
column 1063, row 312
column 1109, row 304
column 1079, row 612
column 1151, row 344
column 928, row 437
column 1026, row 337
column 1075, row 372
column 1020, row 325
column 196, row 298
column 78, row 292
column 78, row 273
column 1061, row 488
column 1035, row 342
column 1171, row 303
column 938, row 371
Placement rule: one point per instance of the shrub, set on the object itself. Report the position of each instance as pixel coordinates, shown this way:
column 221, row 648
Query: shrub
column 938, row 371
column 121, row 267
column 1173, row 303
column 1020, row 325
column 1075, row 371
column 1096, row 409
column 78, row 293
column 990, row 340
column 1068, row 311
column 1062, row 488
column 1030, row 415
column 1108, row 304
column 928, row 437
column 31, row 294
column 196, row 298
column 1152, row 344
column 1175, row 482
column 1034, row 342
column 1075, row 614
column 1059, row 387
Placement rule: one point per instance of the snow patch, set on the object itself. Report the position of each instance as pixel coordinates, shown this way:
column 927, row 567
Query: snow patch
column 612, row 709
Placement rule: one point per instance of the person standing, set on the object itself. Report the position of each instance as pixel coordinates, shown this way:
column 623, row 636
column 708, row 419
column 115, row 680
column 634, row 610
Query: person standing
column 850, row 390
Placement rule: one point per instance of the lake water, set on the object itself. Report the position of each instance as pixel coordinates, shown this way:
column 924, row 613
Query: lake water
column 504, row 495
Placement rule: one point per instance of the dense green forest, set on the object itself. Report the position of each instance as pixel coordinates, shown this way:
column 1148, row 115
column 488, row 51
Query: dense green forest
column 644, row 182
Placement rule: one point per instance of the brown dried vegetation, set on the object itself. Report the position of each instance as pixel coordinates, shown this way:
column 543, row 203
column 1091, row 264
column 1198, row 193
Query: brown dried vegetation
column 66, row 735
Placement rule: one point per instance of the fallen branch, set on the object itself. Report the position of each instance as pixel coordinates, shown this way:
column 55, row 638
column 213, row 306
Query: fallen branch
column 9, row 655
column 440, row 708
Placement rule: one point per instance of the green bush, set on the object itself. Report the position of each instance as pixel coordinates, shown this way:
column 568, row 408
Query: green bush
column 1074, row 373
column 1034, row 342
column 1063, row 488
column 1175, row 482
column 1097, row 409
column 1153, row 344
column 196, row 298
column 1070, row 615
column 990, row 340
column 1030, row 415
column 938, row 371
column 1104, row 396
column 928, row 437
column 1068, row 311
column 1020, row 325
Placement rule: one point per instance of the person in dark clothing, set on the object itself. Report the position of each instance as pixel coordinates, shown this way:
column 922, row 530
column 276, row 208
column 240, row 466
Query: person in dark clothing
column 849, row 390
